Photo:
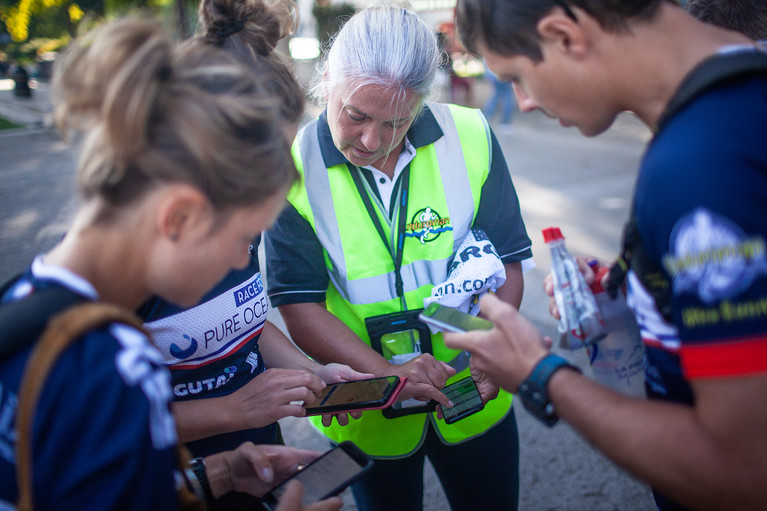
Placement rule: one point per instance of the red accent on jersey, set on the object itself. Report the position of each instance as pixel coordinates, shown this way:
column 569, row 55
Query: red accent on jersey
column 733, row 358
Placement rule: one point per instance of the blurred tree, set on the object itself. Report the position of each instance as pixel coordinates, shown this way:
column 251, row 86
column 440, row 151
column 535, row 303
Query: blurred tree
column 46, row 25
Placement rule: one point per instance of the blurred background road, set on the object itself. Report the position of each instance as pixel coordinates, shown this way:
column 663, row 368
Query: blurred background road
column 562, row 179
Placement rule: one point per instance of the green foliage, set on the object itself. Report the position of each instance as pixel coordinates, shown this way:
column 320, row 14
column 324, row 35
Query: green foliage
column 39, row 26
column 5, row 124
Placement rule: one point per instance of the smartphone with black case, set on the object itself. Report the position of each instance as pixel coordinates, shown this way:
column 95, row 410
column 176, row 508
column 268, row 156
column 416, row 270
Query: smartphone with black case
column 465, row 397
column 452, row 320
column 328, row 475
column 370, row 394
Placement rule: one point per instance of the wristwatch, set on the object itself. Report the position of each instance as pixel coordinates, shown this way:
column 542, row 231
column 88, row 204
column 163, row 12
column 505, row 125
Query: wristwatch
column 199, row 482
column 535, row 396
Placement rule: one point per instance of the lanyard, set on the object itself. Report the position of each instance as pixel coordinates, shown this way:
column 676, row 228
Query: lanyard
column 396, row 248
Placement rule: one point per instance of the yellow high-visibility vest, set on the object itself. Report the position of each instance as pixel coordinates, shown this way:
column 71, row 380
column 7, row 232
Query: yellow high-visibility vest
column 446, row 180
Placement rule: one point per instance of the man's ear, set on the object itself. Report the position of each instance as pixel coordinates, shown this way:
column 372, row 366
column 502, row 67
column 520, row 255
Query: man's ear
column 561, row 32
column 182, row 209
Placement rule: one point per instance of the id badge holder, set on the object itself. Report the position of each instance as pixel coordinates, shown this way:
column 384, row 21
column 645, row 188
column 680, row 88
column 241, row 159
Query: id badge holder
column 400, row 337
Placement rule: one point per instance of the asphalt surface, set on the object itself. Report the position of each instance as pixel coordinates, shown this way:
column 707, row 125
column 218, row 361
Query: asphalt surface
column 562, row 179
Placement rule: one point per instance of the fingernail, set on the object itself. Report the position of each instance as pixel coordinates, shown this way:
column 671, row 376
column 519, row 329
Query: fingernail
column 267, row 474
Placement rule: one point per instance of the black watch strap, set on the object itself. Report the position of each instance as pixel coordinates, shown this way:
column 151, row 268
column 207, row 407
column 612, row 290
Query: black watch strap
column 533, row 391
column 200, row 483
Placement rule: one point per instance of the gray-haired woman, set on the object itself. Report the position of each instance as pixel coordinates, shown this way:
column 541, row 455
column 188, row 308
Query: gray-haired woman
column 391, row 184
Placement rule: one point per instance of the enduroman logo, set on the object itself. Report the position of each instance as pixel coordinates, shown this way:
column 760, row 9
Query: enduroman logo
column 713, row 257
column 427, row 225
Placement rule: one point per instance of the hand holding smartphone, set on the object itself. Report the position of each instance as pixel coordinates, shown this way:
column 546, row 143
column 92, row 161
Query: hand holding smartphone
column 452, row 320
column 326, row 476
column 465, row 397
column 370, row 394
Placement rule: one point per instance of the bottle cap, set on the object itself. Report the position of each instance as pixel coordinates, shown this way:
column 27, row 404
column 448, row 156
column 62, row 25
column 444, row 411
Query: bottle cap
column 552, row 234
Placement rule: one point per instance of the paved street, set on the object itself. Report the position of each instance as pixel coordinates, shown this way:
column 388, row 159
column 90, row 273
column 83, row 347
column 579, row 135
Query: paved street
column 581, row 185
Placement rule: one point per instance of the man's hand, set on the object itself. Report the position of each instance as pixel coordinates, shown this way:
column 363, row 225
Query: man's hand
column 507, row 353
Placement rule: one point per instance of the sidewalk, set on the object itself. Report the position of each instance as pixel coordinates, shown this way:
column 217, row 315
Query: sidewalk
column 32, row 113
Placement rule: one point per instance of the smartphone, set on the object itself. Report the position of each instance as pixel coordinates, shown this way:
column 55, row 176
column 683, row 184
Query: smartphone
column 371, row 394
column 465, row 396
column 452, row 320
column 328, row 475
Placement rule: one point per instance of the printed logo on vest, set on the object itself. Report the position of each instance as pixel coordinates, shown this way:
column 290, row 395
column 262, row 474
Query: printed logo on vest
column 427, row 225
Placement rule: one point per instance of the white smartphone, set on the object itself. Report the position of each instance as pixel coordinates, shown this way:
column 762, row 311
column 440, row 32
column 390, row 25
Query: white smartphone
column 452, row 320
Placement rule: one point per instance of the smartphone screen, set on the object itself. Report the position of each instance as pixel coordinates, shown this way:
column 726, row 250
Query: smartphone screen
column 452, row 320
column 465, row 397
column 355, row 395
column 328, row 475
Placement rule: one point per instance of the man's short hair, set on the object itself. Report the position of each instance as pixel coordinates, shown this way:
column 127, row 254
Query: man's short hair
column 509, row 27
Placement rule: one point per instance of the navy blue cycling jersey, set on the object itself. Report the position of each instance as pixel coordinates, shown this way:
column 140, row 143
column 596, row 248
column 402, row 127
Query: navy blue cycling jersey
column 103, row 435
column 700, row 206
column 212, row 348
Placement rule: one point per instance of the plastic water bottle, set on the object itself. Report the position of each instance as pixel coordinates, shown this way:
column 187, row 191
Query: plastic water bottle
column 580, row 321
column 617, row 360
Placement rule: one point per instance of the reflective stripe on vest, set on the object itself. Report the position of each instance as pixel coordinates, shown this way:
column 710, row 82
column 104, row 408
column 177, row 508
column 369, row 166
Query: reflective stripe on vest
column 361, row 269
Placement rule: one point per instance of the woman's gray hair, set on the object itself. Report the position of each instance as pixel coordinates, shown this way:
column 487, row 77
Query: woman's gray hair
column 387, row 45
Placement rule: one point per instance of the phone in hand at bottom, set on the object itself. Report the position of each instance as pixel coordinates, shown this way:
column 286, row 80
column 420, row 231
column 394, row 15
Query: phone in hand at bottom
column 465, row 397
column 328, row 475
column 452, row 320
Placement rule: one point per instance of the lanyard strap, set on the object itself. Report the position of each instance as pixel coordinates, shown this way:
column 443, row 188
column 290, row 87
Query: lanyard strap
column 401, row 220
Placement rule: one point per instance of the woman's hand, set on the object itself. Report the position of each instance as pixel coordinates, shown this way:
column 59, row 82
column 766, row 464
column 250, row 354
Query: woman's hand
column 334, row 373
column 272, row 395
column 294, row 492
column 254, row 469
column 488, row 390
column 426, row 376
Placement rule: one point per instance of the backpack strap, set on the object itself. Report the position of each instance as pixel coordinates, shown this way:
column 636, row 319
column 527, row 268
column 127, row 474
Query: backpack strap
column 714, row 71
column 61, row 332
column 634, row 256
column 24, row 320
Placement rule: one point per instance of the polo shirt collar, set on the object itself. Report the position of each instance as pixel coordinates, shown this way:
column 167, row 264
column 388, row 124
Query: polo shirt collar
column 424, row 131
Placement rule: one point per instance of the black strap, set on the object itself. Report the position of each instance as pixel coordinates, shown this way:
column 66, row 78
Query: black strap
column 715, row 71
column 396, row 251
column 23, row 321
column 653, row 278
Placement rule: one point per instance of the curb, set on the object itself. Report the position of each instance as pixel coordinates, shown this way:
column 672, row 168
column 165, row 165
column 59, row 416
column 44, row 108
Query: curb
column 34, row 112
